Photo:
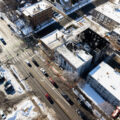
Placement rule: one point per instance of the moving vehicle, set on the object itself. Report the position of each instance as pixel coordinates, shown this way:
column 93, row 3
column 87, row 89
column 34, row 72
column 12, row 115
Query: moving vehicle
column 28, row 63
column 44, row 72
column 3, row 41
column 49, row 98
column 35, row 62
column 67, row 99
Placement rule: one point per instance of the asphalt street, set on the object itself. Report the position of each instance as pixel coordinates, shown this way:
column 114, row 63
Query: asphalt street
column 41, row 86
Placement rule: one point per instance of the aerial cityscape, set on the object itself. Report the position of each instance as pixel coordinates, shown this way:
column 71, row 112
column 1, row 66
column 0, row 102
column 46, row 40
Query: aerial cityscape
column 59, row 59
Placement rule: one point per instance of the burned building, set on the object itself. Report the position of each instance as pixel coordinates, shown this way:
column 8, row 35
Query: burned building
column 93, row 43
column 37, row 13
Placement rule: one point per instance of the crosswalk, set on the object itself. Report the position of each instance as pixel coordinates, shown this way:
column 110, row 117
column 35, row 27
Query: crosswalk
column 23, row 56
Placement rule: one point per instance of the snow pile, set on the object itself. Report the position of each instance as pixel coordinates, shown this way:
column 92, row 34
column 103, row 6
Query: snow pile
column 20, row 23
column 27, row 30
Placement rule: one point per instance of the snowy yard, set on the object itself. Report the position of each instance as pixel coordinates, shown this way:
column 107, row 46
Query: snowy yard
column 28, row 109
column 9, row 77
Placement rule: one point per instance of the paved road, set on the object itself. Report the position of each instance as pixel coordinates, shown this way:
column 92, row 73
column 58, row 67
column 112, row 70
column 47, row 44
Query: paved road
column 13, row 43
column 73, row 16
column 41, row 85
column 41, row 59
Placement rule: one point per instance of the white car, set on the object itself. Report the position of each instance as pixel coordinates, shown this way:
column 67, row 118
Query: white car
column 28, row 63
column 44, row 72
column 3, row 116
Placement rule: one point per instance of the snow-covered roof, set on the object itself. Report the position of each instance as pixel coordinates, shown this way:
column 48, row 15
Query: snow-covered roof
column 110, row 10
column 35, row 8
column 108, row 78
column 50, row 40
column 74, row 60
column 84, row 56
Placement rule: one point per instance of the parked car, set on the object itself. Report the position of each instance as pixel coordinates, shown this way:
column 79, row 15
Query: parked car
column 28, row 63
column 44, row 72
column 9, row 88
column 49, row 98
column 81, row 97
column 81, row 114
column 53, row 82
column 3, row 116
column 87, row 105
column 3, row 41
column 2, row 79
column 75, row 91
column 35, row 62
column 67, row 99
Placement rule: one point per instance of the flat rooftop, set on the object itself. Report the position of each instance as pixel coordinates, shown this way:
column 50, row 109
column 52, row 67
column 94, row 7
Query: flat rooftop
column 84, row 56
column 35, row 8
column 50, row 40
column 108, row 78
column 73, row 59
column 110, row 10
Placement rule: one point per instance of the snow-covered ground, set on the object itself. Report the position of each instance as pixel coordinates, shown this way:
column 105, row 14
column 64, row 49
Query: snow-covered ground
column 29, row 109
column 20, row 78
column 92, row 94
column 9, row 77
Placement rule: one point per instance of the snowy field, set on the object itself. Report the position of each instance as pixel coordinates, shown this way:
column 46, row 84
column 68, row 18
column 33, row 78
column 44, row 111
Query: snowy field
column 29, row 109
column 9, row 77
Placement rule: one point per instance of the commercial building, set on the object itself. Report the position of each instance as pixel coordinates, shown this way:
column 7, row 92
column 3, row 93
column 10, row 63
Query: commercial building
column 37, row 13
column 78, row 61
column 108, row 15
column 106, row 81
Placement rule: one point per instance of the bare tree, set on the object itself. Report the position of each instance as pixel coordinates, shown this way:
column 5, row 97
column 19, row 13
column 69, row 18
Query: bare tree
column 1, row 49
column 107, row 107
column 72, row 78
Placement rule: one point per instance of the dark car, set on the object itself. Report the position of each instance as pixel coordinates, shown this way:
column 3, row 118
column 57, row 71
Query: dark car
column 35, row 62
column 53, row 82
column 9, row 88
column 49, row 98
column 28, row 63
column 44, row 72
column 2, row 79
column 81, row 114
column 67, row 99
column 3, row 41
column 87, row 105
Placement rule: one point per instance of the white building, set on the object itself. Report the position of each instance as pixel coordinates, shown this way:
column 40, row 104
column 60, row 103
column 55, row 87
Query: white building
column 110, row 10
column 52, row 40
column 37, row 13
column 108, row 15
column 106, row 81
column 74, row 62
